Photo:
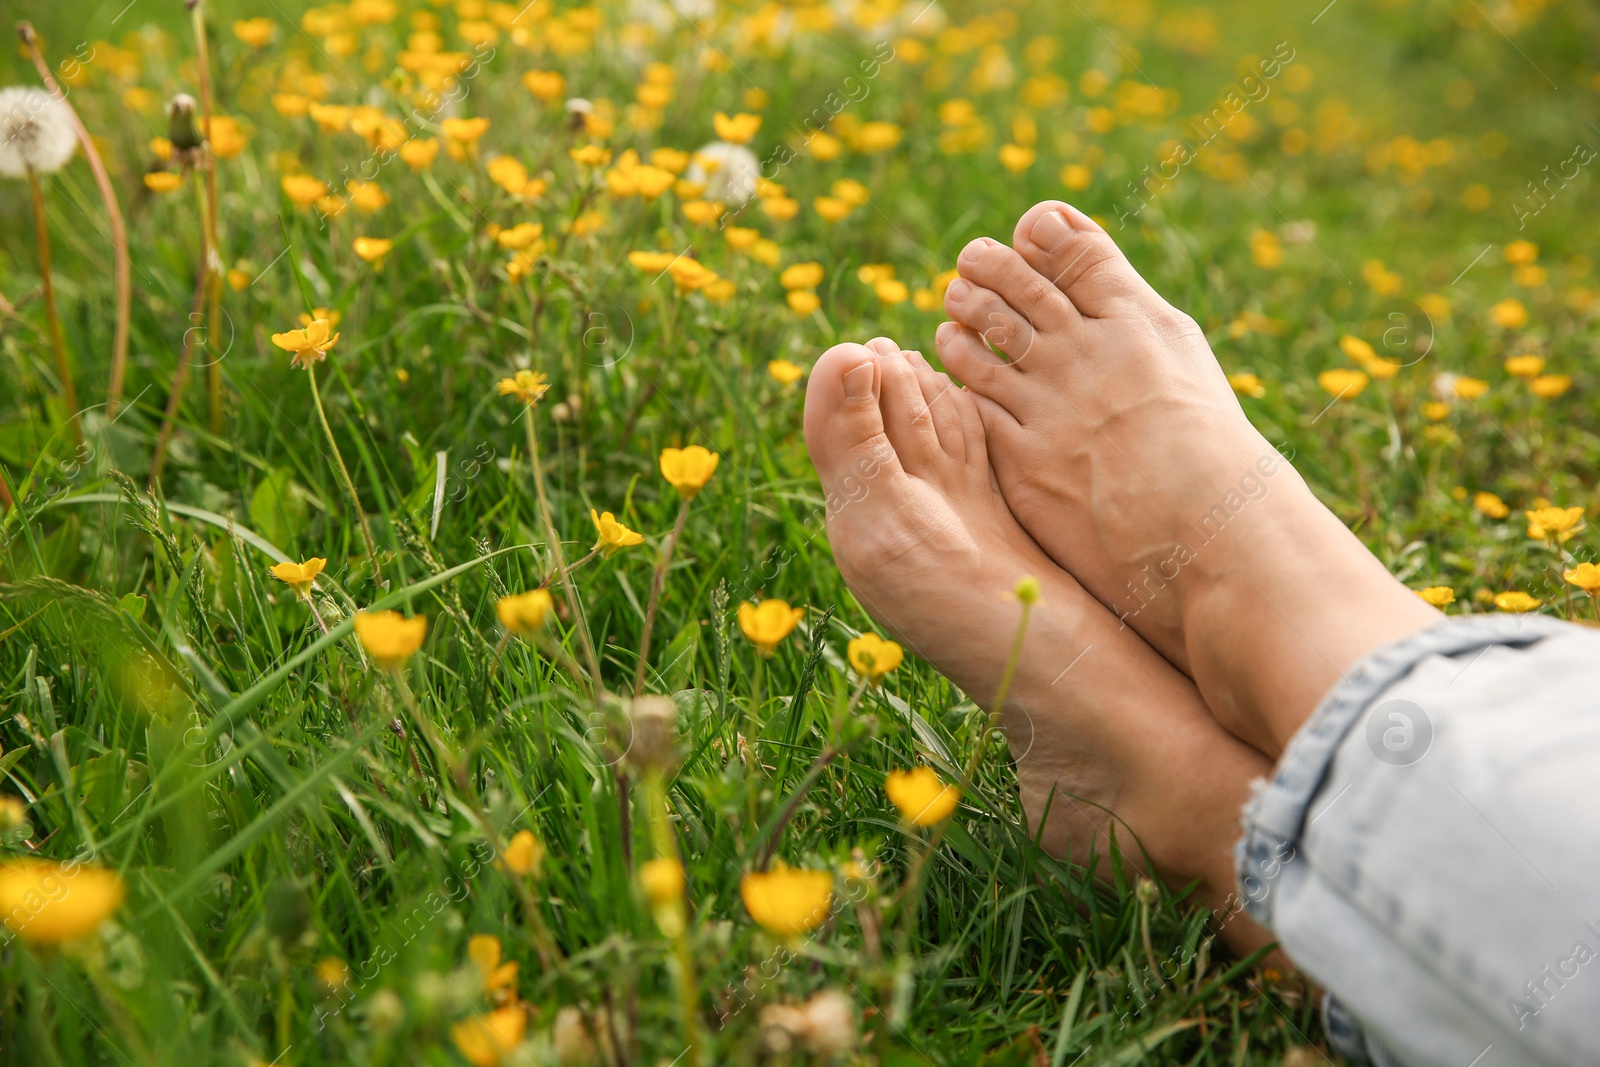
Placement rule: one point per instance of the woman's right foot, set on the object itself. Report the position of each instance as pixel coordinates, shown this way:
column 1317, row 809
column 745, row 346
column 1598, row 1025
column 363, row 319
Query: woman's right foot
column 1102, row 728
column 1121, row 448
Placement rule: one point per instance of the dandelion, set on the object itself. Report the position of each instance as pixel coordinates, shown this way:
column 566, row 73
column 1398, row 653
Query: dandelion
column 787, row 901
column 299, row 576
column 1438, row 595
column 873, row 657
column 528, row 386
column 309, row 344
column 1519, row 253
column 803, row 302
column 486, row 1040
column 547, row 85
column 389, row 637
column 257, row 33
column 1469, row 388
column 723, row 170
column 1344, row 384
column 1554, row 523
column 923, row 799
column 612, row 534
column 1515, row 602
column 736, row 129
column 46, row 902
column 525, row 613
column 38, row 136
column 523, row 854
column 784, row 372
column 163, row 181
column 831, row 208
column 768, row 623
column 801, row 276
column 688, row 469
column 662, row 880
column 1017, row 158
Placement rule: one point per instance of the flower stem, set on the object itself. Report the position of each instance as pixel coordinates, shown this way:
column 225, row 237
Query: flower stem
column 69, row 392
column 180, row 376
column 666, row 846
column 344, row 475
column 119, row 233
column 657, row 581
column 553, row 541
column 212, row 267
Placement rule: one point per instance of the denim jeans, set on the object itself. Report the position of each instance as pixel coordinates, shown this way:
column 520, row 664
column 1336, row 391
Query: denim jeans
column 1428, row 849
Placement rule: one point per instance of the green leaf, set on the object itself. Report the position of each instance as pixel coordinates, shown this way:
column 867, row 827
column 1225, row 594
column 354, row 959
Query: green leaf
column 277, row 509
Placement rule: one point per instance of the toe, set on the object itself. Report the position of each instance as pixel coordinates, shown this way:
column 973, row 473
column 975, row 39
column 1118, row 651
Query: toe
column 906, row 416
column 999, row 324
column 939, row 393
column 991, row 265
column 1072, row 251
column 844, row 424
column 968, row 359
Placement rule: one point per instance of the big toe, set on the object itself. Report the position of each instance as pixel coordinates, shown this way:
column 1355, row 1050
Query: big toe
column 1071, row 249
column 844, row 424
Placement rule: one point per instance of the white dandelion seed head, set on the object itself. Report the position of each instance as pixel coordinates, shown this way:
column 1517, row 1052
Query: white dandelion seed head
column 36, row 132
column 729, row 171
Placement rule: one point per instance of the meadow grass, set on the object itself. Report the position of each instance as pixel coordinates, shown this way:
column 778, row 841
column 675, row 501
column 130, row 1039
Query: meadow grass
column 308, row 841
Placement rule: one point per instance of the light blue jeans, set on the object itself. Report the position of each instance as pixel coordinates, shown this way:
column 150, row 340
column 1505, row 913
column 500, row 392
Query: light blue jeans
column 1428, row 849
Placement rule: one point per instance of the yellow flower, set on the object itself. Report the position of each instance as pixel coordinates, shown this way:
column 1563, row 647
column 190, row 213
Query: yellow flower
column 1016, row 158
column 163, row 181
column 13, row 813
column 302, row 189
column 464, row 132
column 523, row 855
column 688, row 469
column 525, row 613
column 1358, row 350
column 922, row 798
column 545, row 84
column 768, row 622
column 703, row 212
column 526, row 385
column 590, row 155
column 785, row 372
column 389, row 637
column 1490, row 505
column 1546, row 386
column 831, row 208
column 1515, row 602
column 1553, row 522
column 1438, row 595
column 1247, row 384
column 613, row 535
column 519, row 236
column 1585, row 576
column 372, row 249
column 780, row 208
column 486, row 955
column 1469, row 388
column 1519, row 252
column 366, row 196
column 1526, row 366
column 48, row 902
column 873, row 657
column 310, row 344
column 801, row 276
column 803, row 302
column 330, row 118
column 1509, row 313
column 419, row 153
column 333, row 974
column 486, row 1040
column 736, row 128
column 1027, row 590
column 787, row 901
column 662, row 880
column 1436, row 410
column 851, row 192
column 1342, row 383
column 299, row 575
column 891, row 291
column 257, row 33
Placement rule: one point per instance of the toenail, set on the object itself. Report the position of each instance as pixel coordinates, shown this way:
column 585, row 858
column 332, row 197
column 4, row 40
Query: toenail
column 944, row 334
column 858, row 382
column 958, row 290
column 1051, row 231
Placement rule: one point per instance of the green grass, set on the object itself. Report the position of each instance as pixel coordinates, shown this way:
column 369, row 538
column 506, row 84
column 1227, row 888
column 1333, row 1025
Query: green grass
column 169, row 709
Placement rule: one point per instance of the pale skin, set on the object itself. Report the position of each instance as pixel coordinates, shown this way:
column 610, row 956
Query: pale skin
column 1197, row 600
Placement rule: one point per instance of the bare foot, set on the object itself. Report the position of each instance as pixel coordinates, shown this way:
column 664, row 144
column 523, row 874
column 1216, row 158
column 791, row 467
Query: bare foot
column 929, row 547
column 1121, row 448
